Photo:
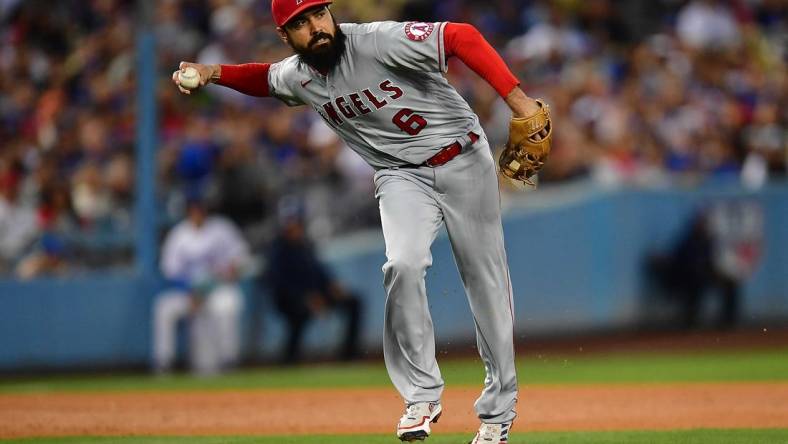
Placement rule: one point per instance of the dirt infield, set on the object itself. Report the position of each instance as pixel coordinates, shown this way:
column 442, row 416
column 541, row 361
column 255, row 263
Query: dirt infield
column 263, row 412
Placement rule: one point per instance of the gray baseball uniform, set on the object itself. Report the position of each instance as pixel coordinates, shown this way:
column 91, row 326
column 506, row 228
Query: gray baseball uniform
column 389, row 101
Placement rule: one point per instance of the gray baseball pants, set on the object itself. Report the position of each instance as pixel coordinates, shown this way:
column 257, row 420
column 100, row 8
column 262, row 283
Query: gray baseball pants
column 414, row 203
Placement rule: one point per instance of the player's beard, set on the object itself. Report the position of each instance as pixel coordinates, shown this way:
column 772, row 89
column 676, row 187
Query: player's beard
column 324, row 58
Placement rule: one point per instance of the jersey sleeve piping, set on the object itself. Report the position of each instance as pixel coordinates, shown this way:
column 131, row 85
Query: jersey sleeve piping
column 443, row 65
column 377, row 50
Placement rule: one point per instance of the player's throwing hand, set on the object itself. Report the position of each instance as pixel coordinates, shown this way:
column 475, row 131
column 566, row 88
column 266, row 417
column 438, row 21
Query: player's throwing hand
column 192, row 76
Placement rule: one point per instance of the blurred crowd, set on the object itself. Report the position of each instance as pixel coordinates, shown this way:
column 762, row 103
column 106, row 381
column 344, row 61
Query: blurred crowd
column 644, row 92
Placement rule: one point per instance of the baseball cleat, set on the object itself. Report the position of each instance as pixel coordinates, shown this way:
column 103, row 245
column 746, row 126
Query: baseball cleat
column 492, row 434
column 415, row 422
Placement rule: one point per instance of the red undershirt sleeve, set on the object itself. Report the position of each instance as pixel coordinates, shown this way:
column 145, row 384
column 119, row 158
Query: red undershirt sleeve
column 249, row 78
column 468, row 44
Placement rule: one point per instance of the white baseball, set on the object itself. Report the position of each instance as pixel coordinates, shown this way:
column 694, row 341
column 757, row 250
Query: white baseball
column 189, row 78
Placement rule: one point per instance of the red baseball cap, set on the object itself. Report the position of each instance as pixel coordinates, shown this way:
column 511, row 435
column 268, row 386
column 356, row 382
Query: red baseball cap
column 285, row 10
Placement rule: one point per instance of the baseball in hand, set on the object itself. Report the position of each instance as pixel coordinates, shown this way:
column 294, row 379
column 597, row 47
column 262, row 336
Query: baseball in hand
column 189, row 78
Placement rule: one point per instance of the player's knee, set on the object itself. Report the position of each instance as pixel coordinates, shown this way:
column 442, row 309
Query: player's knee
column 405, row 268
column 226, row 299
column 168, row 304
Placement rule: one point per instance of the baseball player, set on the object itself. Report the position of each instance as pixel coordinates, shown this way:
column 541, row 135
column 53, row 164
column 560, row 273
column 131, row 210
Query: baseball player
column 381, row 87
column 203, row 257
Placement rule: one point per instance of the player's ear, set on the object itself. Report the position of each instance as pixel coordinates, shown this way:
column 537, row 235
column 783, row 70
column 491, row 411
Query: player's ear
column 282, row 35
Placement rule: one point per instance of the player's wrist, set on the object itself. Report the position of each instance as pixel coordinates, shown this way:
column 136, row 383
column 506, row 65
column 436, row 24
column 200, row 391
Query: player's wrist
column 216, row 73
column 520, row 104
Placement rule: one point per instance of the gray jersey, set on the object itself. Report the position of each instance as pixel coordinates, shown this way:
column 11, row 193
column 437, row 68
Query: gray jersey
column 387, row 98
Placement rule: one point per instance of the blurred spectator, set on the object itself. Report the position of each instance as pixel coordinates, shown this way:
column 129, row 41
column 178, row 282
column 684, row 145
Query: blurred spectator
column 647, row 92
column 717, row 253
column 203, row 258
column 766, row 139
column 90, row 196
column 551, row 37
column 49, row 259
column 708, row 24
column 303, row 288
column 245, row 187
column 18, row 225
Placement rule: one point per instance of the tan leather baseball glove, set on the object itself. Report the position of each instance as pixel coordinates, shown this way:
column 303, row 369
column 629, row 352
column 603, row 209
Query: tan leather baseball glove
column 529, row 144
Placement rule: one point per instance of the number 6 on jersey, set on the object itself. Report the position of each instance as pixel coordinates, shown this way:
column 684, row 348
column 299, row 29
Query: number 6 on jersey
column 410, row 122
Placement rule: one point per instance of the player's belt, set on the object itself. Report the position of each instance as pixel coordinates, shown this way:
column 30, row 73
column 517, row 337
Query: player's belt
column 448, row 153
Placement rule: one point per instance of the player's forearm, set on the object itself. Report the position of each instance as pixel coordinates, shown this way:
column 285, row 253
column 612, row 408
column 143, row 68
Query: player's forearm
column 466, row 43
column 249, row 78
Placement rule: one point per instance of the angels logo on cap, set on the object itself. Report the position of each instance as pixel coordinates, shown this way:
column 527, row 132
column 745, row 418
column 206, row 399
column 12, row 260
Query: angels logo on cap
column 298, row 2
column 419, row 31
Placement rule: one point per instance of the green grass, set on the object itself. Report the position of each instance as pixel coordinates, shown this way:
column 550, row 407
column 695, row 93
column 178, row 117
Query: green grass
column 763, row 436
column 718, row 366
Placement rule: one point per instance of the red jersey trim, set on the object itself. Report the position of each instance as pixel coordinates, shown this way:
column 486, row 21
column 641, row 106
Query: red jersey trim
column 442, row 65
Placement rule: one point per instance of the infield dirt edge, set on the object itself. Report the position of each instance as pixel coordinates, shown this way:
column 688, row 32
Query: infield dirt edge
column 366, row 411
